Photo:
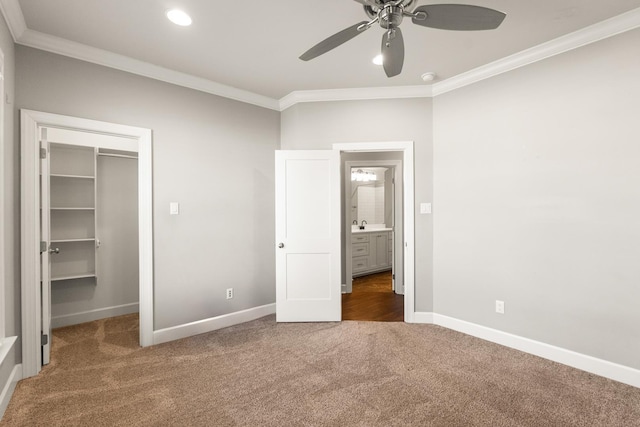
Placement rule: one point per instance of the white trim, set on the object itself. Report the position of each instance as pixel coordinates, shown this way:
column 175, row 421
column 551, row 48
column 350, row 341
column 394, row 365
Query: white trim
column 212, row 324
column 423, row 317
column 94, row 55
column 408, row 210
column 3, row 222
column 30, row 236
column 91, row 315
column 93, row 140
column 603, row 368
column 30, row 241
column 15, row 19
column 352, row 94
column 591, row 34
column 9, row 387
column 145, row 236
column 6, row 344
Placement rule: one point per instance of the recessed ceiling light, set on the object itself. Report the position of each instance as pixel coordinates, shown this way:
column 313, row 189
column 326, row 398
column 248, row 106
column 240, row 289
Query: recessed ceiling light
column 179, row 17
column 428, row 76
column 378, row 60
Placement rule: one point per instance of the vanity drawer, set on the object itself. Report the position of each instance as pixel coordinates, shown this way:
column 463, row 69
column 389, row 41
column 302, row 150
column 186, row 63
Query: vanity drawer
column 359, row 249
column 360, row 263
column 359, row 238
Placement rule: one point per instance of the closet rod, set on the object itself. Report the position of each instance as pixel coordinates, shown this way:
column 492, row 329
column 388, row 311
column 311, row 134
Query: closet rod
column 122, row 156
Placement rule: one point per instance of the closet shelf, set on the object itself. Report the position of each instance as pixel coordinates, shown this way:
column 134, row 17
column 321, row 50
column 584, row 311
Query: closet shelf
column 72, row 277
column 122, row 156
column 72, row 209
column 59, row 175
column 88, row 239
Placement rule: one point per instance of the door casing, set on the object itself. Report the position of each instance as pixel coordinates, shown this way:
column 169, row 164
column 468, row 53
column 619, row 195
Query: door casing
column 30, row 123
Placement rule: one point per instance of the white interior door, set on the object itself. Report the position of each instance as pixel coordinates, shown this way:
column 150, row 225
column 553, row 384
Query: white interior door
column 308, row 260
column 46, row 251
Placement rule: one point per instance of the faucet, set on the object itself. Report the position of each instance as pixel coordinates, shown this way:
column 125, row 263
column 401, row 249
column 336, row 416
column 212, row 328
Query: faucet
column 355, row 222
column 362, row 224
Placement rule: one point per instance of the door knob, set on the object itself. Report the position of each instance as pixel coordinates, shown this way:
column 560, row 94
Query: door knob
column 281, row 245
column 54, row 250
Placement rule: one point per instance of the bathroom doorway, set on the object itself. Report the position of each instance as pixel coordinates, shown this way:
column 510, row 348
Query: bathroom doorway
column 374, row 281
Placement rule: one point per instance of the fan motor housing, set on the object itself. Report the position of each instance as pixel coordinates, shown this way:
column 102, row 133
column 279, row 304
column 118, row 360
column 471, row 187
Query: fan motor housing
column 373, row 10
column 390, row 16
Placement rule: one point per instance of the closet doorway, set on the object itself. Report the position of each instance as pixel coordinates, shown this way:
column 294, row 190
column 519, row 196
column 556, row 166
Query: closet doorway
column 91, row 187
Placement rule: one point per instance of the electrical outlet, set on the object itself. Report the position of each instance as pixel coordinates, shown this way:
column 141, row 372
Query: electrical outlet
column 499, row 306
column 229, row 293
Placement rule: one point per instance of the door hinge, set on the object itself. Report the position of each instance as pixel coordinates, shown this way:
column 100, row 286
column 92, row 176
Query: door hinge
column 44, row 339
column 43, row 153
column 43, row 246
column 393, row 276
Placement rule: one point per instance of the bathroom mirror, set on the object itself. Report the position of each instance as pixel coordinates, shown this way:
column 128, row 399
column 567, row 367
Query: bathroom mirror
column 368, row 195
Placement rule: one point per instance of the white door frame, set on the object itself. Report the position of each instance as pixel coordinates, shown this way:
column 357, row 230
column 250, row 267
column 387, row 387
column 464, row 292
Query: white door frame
column 408, row 213
column 396, row 165
column 30, row 122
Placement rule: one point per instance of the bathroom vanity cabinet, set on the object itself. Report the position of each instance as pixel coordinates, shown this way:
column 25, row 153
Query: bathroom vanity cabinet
column 371, row 251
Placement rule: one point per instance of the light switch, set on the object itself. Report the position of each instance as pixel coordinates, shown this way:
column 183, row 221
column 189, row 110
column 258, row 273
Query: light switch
column 425, row 208
column 174, row 208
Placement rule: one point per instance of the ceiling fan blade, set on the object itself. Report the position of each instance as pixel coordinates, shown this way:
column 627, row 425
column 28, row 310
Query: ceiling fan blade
column 459, row 17
column 334, row 41
column 392, row 52
column 368, row 2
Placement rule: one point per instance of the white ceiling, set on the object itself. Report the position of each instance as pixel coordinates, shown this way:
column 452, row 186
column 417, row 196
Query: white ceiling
column 254, row 45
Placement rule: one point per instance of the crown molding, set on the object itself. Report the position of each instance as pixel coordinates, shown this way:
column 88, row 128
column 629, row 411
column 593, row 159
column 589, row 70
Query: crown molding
column 94, row 55
column 596, row 32
column 353, row 94
column 12, row 13
column 124, row 63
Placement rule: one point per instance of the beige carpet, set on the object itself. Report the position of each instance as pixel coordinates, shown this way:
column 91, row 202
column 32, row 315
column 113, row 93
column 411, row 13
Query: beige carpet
column 328, row 374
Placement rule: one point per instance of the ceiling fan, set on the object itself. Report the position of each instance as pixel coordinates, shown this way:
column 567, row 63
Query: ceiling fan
column 389, row 14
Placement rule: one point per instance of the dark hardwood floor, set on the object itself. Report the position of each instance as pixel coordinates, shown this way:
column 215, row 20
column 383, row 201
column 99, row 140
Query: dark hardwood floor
column 373, row 299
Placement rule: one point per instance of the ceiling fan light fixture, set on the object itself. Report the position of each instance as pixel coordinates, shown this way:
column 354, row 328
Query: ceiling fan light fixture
column 389, row 14
column 179, row 17
column 377, row 59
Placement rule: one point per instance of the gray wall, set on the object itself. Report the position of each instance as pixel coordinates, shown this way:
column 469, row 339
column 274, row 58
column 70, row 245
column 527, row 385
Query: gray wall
column 10, row 169
column 212, row 155
column 537, row 201
column 319, row 125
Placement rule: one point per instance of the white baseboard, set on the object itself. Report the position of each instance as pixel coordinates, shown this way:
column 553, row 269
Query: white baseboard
column 6, row 344
column 422, row 317
column 9, row 387
column 604, row 368
column 91, row 315
column 212, row 324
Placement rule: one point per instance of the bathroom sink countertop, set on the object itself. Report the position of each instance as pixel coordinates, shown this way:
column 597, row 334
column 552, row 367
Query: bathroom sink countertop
column 370, row 230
